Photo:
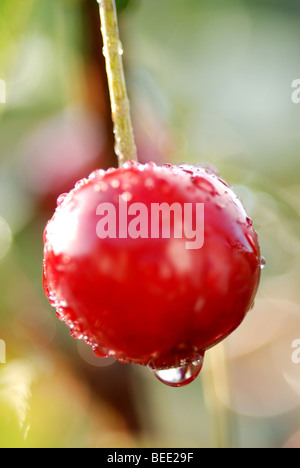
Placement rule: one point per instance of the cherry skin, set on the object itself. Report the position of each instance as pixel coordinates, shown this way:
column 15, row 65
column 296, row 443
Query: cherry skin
column 151, row 300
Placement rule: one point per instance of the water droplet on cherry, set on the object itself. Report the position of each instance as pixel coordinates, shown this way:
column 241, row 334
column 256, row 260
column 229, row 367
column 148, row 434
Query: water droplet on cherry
column 188, row 169
column 209, row 168
column 126, row 196
column 101, row 187
column 204, row 185
column 61, row 199
column 251, row 241
column 81, row 183
column 223, row 182
column 115, row 183
column 98, row 352
column 149, row 183
column 181, row 375
column 262, row 263
column 129, row 164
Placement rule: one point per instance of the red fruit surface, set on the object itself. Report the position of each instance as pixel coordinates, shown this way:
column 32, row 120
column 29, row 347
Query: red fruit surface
column 151, row 300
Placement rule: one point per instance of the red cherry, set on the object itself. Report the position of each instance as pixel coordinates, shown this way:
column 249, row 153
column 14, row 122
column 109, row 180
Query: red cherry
column 151, row 300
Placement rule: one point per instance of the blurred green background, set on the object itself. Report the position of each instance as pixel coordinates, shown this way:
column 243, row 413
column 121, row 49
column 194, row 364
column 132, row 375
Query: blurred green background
column 209, row 81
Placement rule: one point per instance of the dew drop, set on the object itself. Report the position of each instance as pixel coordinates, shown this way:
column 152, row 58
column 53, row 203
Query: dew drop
column 61, row 199
column 101, row 187
column 96, row 174
column 188, row 169
column 110, row 170
column 59, row 314
column 179, row 376
column 262, row 263
column 150, row 165
column 81, row 183
column 149, row 183
column 251, row 241
column 99, row 353
column 70, row 324
column 120, row 48
column 223, row 182
column 52, row 298
column 129, row 164
column 249, row 221
column 204, row 185
column 126, row 196
column 117, row 151
column 75, row 331
column 115, row 183
column 104, row 51
column 209, row 169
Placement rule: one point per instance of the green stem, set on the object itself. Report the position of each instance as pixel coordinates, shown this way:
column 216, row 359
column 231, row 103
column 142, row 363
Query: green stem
column 124, row 137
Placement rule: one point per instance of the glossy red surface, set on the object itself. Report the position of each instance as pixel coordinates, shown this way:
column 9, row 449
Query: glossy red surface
column 151, row 300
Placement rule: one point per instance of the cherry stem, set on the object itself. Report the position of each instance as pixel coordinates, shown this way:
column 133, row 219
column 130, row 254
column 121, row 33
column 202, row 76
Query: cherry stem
column 125, row 147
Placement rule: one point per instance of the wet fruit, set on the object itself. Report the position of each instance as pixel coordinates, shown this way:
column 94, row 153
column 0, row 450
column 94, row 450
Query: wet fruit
column 152, row 291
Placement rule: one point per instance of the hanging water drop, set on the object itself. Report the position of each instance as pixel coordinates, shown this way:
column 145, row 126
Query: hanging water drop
column 179, row 376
